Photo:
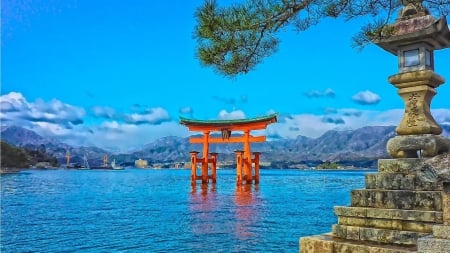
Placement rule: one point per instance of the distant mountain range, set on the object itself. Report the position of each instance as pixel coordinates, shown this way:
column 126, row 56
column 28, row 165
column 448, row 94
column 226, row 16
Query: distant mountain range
column 362, row 146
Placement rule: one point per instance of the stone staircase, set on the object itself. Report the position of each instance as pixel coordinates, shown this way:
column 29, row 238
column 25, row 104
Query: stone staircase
column 394, row 210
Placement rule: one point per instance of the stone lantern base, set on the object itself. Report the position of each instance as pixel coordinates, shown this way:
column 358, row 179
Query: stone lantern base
column 417, row 146
column 396, row 212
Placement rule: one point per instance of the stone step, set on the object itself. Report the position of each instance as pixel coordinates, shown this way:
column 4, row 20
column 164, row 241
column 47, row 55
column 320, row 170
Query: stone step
column 378, row 235
column 400, row 165
column 423, row 227
column 432, row 244
column 397, row 199
column 326, row 243
column 399, row 181
column 393, row 214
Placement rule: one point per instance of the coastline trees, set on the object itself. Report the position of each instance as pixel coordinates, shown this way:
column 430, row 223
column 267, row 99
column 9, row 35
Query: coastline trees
column 13, row 157
column 18, row 157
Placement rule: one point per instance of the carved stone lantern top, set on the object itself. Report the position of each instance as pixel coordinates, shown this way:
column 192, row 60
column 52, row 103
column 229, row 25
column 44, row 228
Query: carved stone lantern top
column 412, row 9
column 414, row 24
column 416, row 30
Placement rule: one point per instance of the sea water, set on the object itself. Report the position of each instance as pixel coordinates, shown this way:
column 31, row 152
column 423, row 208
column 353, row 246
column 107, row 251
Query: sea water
column 138, row 210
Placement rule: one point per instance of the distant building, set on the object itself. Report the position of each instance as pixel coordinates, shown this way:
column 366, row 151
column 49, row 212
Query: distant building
column 141, row 163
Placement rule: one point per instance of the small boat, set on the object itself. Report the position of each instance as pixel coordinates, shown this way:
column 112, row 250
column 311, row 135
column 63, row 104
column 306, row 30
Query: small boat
column 115, row 166
column 85, row 165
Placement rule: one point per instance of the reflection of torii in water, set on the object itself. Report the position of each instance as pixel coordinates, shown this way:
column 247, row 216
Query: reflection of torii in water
column 246, row 209
column 202, row 205
column 244, row 160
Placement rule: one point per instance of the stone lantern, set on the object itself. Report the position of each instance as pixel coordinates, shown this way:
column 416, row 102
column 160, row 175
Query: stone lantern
column 413, row 38
column 405, row 206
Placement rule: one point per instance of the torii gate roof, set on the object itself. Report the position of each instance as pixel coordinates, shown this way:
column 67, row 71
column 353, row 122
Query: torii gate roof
column 234, row 124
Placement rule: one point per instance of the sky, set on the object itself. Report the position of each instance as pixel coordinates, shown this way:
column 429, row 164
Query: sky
column 119, row 74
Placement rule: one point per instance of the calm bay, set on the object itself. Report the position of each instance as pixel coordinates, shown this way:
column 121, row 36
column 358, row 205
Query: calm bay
column 138, row 210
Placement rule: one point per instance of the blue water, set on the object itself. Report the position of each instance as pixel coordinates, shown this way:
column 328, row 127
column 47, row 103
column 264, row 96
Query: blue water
column 159, row 211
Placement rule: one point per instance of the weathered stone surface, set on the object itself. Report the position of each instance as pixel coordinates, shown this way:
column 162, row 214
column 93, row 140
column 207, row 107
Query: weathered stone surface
column 430, row 244
column 397, row 199
column 316, row 244
column 408, row 146
column 364, row 247
column 423, row 227
column 441, row 231
column 352, row 233
column 436, row 169
column 397, row 208
column 441, row 163
column 400, row 165
column 399, row 181
column 313, row 244
column 416, row 78
column 446, row 203
column 417, row 119
column 379, row 235
column 339, row 231
column 409, row 215
column 352, row 221
column 350, row 211
column 390, row 236
column 393, row 214
column 371, row 180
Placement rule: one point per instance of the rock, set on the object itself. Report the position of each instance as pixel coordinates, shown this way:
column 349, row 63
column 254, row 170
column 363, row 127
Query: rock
column 436, row 169
column 413, row 146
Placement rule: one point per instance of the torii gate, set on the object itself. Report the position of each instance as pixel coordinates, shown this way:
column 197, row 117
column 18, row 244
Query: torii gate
column 244, row 160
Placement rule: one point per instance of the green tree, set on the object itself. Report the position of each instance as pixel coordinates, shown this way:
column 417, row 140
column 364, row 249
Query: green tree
column 233, row 39
column 328, row 166
column 20, row 157
column 12, row 157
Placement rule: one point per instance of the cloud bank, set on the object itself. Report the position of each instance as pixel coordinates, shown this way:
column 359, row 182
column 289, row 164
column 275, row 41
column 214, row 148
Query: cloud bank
column 123, row 131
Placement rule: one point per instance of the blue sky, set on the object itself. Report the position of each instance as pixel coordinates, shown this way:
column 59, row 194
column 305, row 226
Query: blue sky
column 118, row 74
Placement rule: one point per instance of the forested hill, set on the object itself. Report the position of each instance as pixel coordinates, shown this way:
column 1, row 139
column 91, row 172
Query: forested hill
column 20, row 157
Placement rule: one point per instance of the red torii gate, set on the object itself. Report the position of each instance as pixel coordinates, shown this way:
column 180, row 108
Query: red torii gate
column 244, row 160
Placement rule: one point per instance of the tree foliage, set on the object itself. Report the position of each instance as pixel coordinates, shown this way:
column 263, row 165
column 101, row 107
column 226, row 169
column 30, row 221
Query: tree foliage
column 233, row 39
column 12, row 157
column 19, row 157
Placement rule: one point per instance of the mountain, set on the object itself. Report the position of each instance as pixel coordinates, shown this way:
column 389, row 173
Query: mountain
column 22, row 137
column 362, row 147
column 364, row 144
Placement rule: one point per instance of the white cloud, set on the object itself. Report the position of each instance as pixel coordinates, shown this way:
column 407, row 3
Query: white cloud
column 13, row 102
column 316, row 94
column 15, row 108
column 186, row 110
column 236, row 114
column 366, row 97
column 150, row 116
column 104, row 112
